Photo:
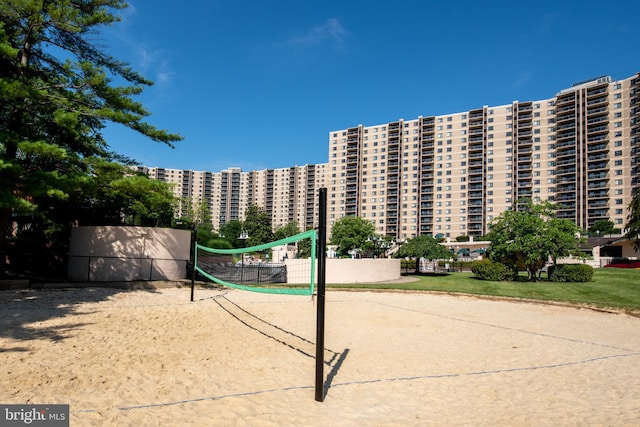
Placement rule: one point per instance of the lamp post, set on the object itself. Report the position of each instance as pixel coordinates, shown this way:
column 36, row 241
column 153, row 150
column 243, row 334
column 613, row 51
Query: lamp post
column 379, row 245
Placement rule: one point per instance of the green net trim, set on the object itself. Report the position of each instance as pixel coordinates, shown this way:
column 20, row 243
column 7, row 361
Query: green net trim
column 311, row 234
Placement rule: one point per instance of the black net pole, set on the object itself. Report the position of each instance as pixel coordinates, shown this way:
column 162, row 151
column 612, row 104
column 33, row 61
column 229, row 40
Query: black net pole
column 193, row 261
column 321, row 254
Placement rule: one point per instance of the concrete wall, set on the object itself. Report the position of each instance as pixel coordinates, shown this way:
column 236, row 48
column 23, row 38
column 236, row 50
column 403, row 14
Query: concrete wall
column 104, row 254
column 340, row 270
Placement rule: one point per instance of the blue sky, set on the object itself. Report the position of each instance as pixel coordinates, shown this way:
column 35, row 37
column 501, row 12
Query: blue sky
column 260, row 84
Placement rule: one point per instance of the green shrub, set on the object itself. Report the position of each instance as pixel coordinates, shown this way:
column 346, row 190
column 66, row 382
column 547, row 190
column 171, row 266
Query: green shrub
column 570, row 273
column 407, row 266
column 488, row 270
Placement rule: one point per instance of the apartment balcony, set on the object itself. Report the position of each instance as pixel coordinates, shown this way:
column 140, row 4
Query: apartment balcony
column 475, row 210
column 565, row 100
column 598, row 213
column 598, row 194
column 565, row 110
column 476, row 132
column 476, row 187
column 525, row 150
column 596, row 157
column 568, row 143
column 426, row 219
column 567, row 206
column 476, row 114
column 426, row 206
column 565, row 171
column 476, row 179
column 476, row 139
column 524, row 116
column 476, row 155
column 566, row 188
column 597, row 175
column 525, row 134
column 597, row 148
column 565, row 135
column 594, row 111
column 598, row 166
column 524, row 175
column 570, row 125
column 475, row 202
column 522, row 142
column 570, row 161
column 597, row 101
column 599, row 119
column 426, row 198
column 597, row 129
column 475, row 218
column 596, row 91
column 596, row 204
column 565, row 198
column 475, row 194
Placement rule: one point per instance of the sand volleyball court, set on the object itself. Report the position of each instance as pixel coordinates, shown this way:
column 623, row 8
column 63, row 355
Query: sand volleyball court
column 151, row 357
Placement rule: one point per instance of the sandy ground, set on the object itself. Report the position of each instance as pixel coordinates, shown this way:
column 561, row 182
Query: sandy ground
column 152, row 357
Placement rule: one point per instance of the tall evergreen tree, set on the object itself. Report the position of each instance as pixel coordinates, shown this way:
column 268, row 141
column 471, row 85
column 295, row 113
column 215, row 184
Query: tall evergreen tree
column 58, row 91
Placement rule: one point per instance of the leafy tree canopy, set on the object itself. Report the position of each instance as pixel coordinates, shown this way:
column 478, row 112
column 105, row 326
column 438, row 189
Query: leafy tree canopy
column 351, row 232
column 530, row 235
column 230, row 231
column 602, row 227
column 290, row 229
column 426, row 247
column 257, row 224
column 633, row 220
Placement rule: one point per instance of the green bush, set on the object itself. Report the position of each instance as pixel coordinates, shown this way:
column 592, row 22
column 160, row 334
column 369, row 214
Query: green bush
column 570, row 273
column 487, row 270
column 407, row 266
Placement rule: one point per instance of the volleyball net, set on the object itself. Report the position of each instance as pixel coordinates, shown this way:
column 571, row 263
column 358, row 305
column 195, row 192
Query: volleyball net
column 286, row 266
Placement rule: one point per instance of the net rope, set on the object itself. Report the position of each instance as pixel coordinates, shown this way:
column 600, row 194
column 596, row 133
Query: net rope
column 246, row 268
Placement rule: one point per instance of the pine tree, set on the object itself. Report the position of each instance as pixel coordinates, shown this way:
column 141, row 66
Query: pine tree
column 57, row 93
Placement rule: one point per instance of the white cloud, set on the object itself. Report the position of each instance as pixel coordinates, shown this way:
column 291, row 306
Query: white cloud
column 331, row 30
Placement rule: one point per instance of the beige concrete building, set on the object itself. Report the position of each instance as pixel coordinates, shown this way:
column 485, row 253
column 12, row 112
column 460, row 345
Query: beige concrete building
column 453, row 174
column 287, row 194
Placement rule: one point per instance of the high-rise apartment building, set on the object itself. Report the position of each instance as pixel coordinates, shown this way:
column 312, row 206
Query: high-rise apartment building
column 286, row 194
column 452, row 174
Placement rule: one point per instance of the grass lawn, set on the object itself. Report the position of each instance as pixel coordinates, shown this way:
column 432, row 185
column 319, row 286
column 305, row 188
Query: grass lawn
column 610, row 288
